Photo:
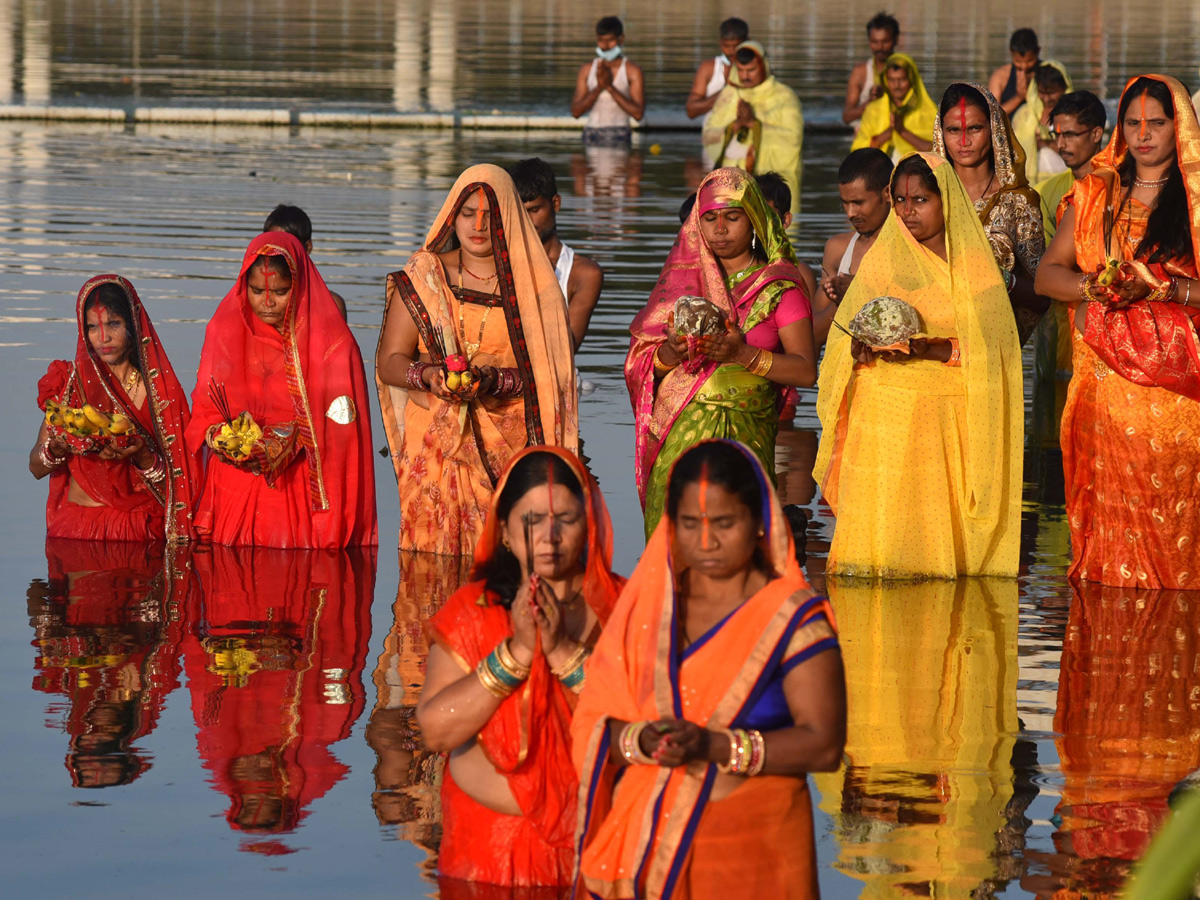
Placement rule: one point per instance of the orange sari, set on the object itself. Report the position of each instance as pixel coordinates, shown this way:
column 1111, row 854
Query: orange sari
column 448, row 456
column 1129, row 445
column 528, row 738
column 653, row 832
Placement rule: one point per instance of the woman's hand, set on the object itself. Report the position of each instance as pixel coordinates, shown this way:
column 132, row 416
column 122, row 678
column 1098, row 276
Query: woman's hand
column 486, row 380
column 1128, row 288
column 58, row 448
column 723, row 348
column 524, row 623
column 547, row 613
column 862, row 353
column 137, row 450
column 934, row 348
column 681, row 743
column 674, row 349
column 435, row 378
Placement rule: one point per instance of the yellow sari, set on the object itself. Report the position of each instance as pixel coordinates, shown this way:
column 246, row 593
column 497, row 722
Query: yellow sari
column 1027, row 124
column 898, row 434
column 918, row 110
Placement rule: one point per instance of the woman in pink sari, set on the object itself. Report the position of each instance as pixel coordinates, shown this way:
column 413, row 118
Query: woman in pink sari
column 732, row 251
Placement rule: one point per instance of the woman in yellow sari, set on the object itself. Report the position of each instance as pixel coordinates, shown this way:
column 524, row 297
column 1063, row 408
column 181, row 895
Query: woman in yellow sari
column 901, row 120
column 480, row 292
column 940, row 425
column 715, row 687
column 756, row 123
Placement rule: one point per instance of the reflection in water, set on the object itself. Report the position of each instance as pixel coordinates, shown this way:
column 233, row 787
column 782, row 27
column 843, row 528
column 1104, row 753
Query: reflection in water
column 1129, row 725
column 925, row 805
column 106, row 627
column 408, row 778
column 274, row 653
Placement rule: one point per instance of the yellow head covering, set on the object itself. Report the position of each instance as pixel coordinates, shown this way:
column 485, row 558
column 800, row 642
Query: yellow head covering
column 967, row 280
column 1027, row 122
column 918, row 110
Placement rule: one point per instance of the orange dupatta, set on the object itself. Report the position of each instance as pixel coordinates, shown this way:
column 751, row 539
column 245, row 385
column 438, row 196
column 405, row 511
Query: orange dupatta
column 636, row 842
column 528, row 737
column 1149, row 344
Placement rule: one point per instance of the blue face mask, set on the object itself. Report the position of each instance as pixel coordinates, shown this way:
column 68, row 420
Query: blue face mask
column 609, row 55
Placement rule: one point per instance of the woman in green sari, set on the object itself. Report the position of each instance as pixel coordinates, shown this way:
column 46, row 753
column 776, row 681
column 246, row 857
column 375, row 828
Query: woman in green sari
column 733, row 252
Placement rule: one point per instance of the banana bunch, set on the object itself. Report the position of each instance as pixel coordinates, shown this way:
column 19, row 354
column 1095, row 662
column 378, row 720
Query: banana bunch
column 236, row 439
column 86, row 421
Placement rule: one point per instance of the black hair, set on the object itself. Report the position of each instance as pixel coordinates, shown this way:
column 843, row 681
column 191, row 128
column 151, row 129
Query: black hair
column 734, row 27
column 291, row 219
column 962, row 91
column 745, row 56
column 916, row 165
column 870, row 165
column 610, row 25
column 1048, row 77
column 775, row 191
column 881, row 21
column 273, row 262
column 502, row 573
column 1168, row 230
column 685, row 208
column 113, row 298
column 534, row 179
column 1024, row 40
column 1087, row 109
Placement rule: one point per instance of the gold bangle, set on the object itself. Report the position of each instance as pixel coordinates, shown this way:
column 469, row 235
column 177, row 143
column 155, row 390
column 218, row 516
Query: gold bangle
column 572, row 662
column 504, row 656
column 762, row 363
column 490, row 682
column 659, row 366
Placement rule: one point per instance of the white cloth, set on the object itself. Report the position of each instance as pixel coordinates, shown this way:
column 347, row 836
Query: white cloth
column 717, row 82
column 864, row 96
column 562, row 268
column 605, row 112
column 848, row 256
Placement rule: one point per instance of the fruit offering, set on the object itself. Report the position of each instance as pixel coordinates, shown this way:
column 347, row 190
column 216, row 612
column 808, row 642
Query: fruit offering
column 886, row 323
column 86, row 429
column 1110, row 275
column 460, row 376
column 238, row 438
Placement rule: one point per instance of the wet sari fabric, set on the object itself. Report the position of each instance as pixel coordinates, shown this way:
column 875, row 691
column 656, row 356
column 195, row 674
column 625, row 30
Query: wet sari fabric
column 130, row 507
column 1131, row 425
column 647, row 831
column 701, row 400
column 448, row 456
column 310, row 375
column 528, row 738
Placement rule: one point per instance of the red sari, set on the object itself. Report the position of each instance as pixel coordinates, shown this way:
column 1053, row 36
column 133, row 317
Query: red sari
column 528, row 738
column 276, row 645
column 311, row 375
column 131, row 508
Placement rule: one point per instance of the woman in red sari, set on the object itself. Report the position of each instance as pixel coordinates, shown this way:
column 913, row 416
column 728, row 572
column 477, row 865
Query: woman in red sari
column 504, row 671
column 1132, row 416
column 278, row 348
column 143, row 492
column 716, row 686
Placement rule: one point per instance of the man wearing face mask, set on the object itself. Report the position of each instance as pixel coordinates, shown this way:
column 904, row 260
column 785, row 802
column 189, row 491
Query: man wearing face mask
column 609, row 89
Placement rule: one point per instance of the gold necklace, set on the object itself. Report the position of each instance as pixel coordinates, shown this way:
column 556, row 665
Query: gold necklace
column 131, row 382
column 469, row 350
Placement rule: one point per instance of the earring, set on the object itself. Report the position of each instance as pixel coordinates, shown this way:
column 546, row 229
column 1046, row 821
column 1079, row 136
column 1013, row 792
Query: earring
column 754, row 242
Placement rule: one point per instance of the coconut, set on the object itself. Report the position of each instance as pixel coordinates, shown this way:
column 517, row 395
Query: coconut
column 885, row 321
column 697, row 317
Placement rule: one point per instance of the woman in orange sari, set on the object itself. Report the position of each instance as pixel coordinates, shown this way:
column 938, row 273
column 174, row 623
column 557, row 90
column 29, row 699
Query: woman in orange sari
column 481, row 291
column 716, row 686
column 504, row 671
column 1132, row 416
column 142, row 492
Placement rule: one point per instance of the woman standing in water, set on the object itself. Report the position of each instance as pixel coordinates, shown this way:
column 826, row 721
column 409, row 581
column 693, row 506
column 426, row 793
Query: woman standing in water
column 716, row 687
column 974, row 134
column 505, row 670
column 731, row 251
column 1133, row 407
column 143, row 491
column 941, row 425
column 278, row 348
column 480, row 292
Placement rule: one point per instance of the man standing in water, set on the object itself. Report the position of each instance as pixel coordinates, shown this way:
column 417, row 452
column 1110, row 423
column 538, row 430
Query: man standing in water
column 609, row 89
column 1009, row 84
column 713, row 74
column 1077, row 125
column 863, row 179
column 295, row 221
column 883, row 33
column 580, row 278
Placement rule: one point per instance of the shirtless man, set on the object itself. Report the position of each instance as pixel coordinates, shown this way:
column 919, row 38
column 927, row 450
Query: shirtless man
column 863, row 186
column 883, row 33
column 580, row 278
column 713, row 74
column 1009, row 84
column 609, row 89
column 296, row 222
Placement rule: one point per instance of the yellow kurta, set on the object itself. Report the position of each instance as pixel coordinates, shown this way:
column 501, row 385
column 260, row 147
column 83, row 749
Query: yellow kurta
column 931, row 678
column 918, row 435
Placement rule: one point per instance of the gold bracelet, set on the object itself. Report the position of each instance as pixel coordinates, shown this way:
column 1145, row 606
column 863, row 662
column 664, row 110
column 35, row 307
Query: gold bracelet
column 504, row 656
column 1187, row 297
column 659, row 366
column 572, row 662
column 490, row 682
column 761, row 364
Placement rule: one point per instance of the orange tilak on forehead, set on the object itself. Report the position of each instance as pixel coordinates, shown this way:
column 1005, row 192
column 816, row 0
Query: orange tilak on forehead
column 481, row 209
column 704, row 505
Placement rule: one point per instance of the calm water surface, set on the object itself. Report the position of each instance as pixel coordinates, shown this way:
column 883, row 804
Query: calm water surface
column 243, row 720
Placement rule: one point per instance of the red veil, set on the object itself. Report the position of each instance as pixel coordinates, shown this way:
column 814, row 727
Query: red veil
column 139, row 505
column 311, row 374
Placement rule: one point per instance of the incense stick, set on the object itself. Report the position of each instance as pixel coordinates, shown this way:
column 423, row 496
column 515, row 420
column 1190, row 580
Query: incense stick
column 220, row 399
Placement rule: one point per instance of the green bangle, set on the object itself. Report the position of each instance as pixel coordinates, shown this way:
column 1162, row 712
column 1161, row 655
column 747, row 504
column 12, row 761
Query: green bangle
column 502, row 674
